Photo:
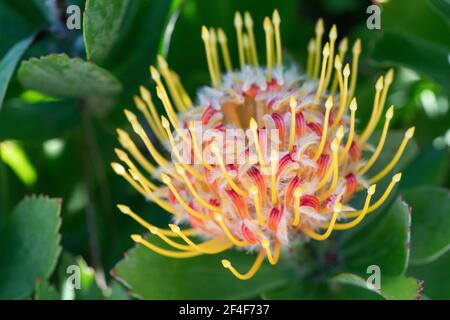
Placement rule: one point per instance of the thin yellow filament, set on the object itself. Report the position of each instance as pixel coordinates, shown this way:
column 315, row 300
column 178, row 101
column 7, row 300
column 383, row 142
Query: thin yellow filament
column 351, row 134
column 332, row 37
column 356, row 51
column 268, row 30
column 310, row 59
column 254, row 127
column 334, row 149
column 395, row 179
column 122, row 155
column 126, row 142
column 227, row 231
column 209, row 57
column 165, row 71
column 273, row 259
column 325, row 56
column 166, row 179
column 251, row 37
column 230, row 181
column 361, row 214
column 374, row 157
column 215, row 54
column 276, row 23
column 373, row 117
column 319, row 30
column 197, row 153
column 408, row 135
column 164, row 252
column 297, row 196
column 256, row 200
column 224, row 48
column 238, row 25
column 343, row 96
column 251, row 272
column 293, row 105
column 146, row 96
column 320, row 237
column 343, row 46
column 323, row 139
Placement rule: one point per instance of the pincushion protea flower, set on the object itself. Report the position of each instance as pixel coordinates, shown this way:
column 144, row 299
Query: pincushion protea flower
column 280, row 186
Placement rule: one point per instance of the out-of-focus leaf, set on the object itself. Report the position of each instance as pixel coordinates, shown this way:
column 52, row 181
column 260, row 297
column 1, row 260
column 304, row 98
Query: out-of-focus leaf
column 442, row 7
column 116, row 291
column 61, row 76
column 69, row 267
column 430, row 223
column 429, row 168
column 392, row 288
column 37, row 121
column 9, row 63
column 45, row 291
column 418, row 19
column 384, row 242
column 140, row 36
column 423, row 56
column 152, row 276
column 29, row 246
column 15, row 157
column 435, row 277
column 101, row 27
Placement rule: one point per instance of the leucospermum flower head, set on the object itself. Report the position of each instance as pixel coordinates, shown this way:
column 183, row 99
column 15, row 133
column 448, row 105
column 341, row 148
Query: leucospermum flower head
column 265, row 155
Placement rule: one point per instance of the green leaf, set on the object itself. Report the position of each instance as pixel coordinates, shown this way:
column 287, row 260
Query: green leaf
column 384, row 242
column 15, row 157
column 392, row 288
column 421, row 55
column 152, row 276
column 430, row 167
column 61, row 76
column 9, row 63
column 45, row 291
column 38, row 121
column 442, row 7
column 430, row 223
column 30, row 246
column 102, row 24
column 435, row 277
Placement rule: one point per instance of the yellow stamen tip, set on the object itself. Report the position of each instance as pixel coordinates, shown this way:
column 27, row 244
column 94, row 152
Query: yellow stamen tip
column 389, row 77
column 346, row 71
column 162, row 63
column 253, row 190
column 319, row 27
column 397, row 177
column 217, row 217
column 333, row 32
column 174, row 228
column 265, row 243
column 334, row 145
column 390, row 112
column 221, row 35
column 326, row 50
column 165, row 178
column 357, row 47
column 118, row 168
column 276, row 17
column 205, row 33
column 338, row 207
column 353, row 105
column 153, row 230
column 237, row 19
column 329, row 103
column 372, row 189
column 164, row 122
column 311, row 45
column 155, row 74
column 343, row 45
column 180, row 170
column 253, row 124
column 379, row 85
column 248, row 19
column 226, row 264
column 292, row 102
column 267, row 24
column 297, row 192
column 136, row 238
column 410, row 133
column 124, row 209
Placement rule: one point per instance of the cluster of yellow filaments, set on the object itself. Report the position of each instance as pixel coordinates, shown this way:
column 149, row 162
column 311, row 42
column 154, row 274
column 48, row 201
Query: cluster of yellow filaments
column 295, row 188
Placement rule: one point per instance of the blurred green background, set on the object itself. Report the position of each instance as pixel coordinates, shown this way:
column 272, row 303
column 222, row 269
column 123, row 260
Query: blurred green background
column 62, row 93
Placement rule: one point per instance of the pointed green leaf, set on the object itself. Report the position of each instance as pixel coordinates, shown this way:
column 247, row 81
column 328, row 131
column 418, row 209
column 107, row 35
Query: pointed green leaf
column 102, row 24
column 9, row 63
column 30, row 246
column 61, row 76
column 430, row 223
